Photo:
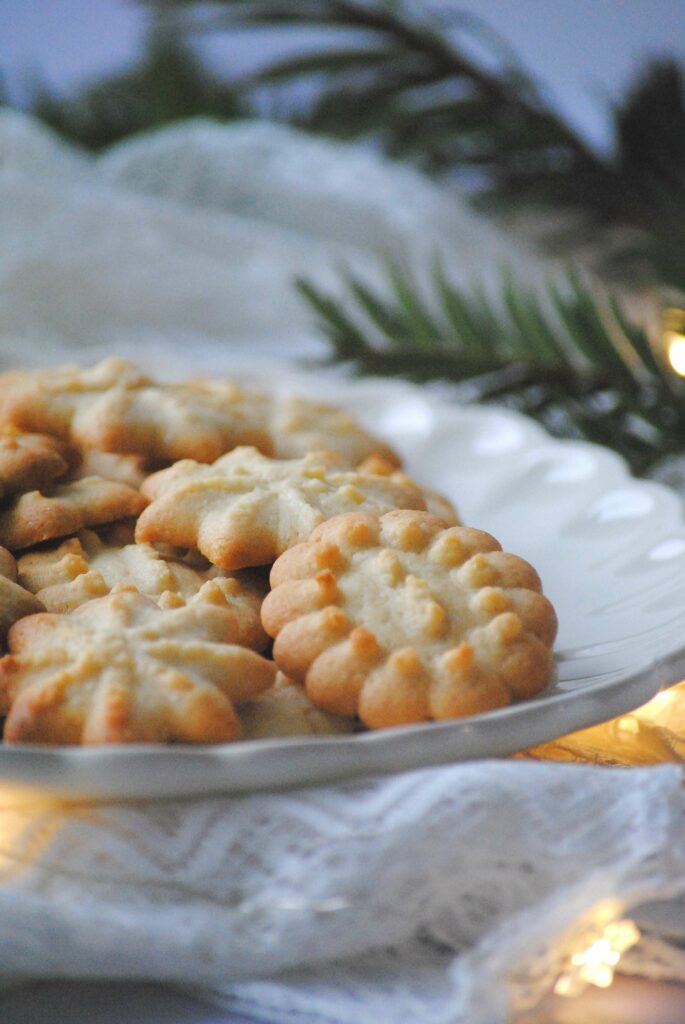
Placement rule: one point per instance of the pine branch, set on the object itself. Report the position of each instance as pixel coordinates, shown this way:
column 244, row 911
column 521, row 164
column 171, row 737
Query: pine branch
column 402, row 73
column 569, row 359
column 406, row 79
column 168, row 84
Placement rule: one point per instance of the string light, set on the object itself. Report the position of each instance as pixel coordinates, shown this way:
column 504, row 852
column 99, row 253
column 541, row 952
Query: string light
column 666, row 709
column 673, row 333
column 596, row 962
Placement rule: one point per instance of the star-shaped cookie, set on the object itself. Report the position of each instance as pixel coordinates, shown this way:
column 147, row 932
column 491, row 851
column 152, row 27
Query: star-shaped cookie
column 299, row 425
column 246, row 509
column 66, row 508
column 121, row 670
column 86, row 567
column 114, row 408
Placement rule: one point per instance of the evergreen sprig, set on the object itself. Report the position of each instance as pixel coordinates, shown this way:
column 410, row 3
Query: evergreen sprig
column 167, row 84
column 405, row 73
column 569, row 357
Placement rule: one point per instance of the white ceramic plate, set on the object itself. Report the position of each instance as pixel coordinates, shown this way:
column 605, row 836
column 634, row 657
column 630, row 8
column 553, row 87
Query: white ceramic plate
column 611, row 554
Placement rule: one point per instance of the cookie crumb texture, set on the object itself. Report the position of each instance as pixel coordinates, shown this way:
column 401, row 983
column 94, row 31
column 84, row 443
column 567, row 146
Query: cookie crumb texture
column 400, row 620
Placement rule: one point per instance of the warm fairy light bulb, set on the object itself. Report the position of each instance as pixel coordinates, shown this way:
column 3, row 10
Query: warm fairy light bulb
column 595, row 962
column 666, row 710
column 628, row 725
column 676, row 352
column 673, row 336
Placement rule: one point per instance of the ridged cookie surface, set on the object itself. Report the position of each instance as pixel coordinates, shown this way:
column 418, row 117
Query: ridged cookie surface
column 246, row 509
column 400, row 619
column 66, row 508
column 122, row 669
column 115, row 408
column 15, row 601
column 85, row 567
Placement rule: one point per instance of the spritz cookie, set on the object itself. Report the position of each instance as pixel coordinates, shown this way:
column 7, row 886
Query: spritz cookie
column 246, row 509
column 297, row 425
column 30, row 461
column 400, row 619
column 15, row 600
column 115, row 408
column 66, row 508
column 286, row 710
column 122, row 669
column 85, row 567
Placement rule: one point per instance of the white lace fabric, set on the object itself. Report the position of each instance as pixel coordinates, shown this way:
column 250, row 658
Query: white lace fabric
column 431, row 891
column 441, row 895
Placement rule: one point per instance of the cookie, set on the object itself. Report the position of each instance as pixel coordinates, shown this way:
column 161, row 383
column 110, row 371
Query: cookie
column 15, row 601
column 52, row 397
column 286, row 710
column 85, row 567
column 114, row 408
column 122, row 669
column 400, row 619
column 298, row 425
column 125, row 469
column 30, row 461
column 66, row 508
column 246, row 509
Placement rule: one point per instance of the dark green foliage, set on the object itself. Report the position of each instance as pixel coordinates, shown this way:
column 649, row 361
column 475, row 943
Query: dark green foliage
column 168, row 84
column 569, row 358
column 404, row 73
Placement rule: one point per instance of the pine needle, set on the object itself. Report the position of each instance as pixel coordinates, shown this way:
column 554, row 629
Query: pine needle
column 568, row 357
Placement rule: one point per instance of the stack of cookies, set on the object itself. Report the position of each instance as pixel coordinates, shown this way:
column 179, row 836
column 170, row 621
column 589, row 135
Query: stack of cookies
column 157, row 538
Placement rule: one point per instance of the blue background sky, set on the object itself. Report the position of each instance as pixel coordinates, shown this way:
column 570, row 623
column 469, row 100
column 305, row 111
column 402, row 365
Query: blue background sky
column 585, row 51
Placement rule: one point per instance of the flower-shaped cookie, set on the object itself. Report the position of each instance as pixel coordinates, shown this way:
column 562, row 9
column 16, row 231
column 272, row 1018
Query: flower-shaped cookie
column 246, row 509
column 400, row 619
column 298, row 425
column 66, row 508
column 115, row 408
column 85, row 567
column 15, row 601
column 286, row 710
column 28, row 461
column 121, row 670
